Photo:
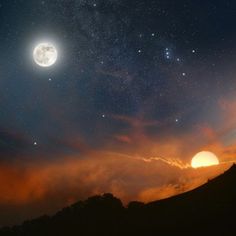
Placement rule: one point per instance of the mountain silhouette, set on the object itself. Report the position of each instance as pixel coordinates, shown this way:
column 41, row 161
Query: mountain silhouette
column 207, row 210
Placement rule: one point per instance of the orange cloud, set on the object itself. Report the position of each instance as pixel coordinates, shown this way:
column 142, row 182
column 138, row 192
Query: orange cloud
column 123, row 138
column 133, row 165
column 55, row 184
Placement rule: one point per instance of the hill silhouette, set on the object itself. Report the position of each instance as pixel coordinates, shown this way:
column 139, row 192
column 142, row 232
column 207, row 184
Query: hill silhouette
column 207, row 210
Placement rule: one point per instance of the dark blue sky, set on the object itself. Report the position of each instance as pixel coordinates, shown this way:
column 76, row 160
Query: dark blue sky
column 161, row 60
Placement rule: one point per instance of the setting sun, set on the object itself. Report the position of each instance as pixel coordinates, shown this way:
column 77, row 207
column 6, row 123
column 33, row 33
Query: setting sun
column 203, row 159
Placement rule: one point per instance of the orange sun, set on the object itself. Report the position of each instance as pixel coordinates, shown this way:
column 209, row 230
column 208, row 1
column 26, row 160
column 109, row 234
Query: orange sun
column 203, row 159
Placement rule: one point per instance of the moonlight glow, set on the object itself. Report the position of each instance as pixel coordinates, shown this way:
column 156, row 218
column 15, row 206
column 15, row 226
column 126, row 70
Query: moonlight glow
column 203, row 159
column 45, row 54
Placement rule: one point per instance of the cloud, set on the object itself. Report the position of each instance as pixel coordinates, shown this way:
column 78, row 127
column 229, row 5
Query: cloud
column 134, row 164
column 12, row 143
column 172, row 162
column 54, row 184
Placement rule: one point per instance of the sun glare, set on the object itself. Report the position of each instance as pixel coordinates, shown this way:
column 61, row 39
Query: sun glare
column 203, row 159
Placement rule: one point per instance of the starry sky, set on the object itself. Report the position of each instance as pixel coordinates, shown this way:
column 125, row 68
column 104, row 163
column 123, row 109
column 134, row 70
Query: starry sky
column 138, row 89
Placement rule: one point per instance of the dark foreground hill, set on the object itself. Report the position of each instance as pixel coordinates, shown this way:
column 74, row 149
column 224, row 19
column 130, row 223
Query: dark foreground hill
column 207, row 210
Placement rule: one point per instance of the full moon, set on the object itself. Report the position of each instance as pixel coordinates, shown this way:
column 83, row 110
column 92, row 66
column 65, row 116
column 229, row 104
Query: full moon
column 45, row 54
column 203, row 159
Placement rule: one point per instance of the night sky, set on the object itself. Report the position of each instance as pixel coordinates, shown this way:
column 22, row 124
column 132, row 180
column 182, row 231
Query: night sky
column 138, row 89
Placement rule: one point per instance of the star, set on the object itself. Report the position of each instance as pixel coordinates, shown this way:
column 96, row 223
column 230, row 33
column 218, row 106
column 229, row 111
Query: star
column 167, row 53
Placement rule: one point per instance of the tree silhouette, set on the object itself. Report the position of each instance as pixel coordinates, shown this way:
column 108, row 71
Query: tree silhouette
column 207, row 210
